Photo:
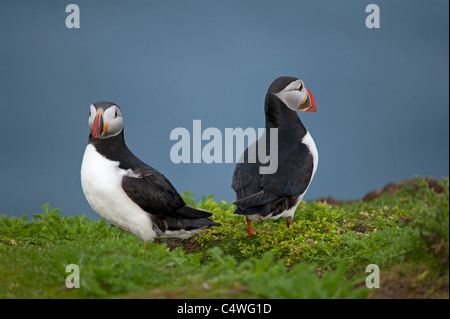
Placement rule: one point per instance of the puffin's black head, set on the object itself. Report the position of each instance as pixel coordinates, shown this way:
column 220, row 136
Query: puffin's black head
column 293, row 93
column 105, row 120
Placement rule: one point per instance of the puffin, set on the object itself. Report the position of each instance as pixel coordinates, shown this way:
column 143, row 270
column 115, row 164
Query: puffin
column 127, row 192
column 260, row 197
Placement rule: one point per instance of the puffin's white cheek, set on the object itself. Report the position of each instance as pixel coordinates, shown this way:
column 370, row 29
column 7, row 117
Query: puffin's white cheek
column 297, row 101
column 292, row 99
column 114, row 127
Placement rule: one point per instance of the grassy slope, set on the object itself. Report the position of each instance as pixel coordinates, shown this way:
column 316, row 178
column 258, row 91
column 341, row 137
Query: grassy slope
column 323, row 254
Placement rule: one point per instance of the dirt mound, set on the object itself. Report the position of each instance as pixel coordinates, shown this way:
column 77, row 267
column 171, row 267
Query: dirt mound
column 393, row 188
column 390, row 188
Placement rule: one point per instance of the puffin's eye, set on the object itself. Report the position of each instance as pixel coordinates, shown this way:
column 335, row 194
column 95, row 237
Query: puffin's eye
column 301, row 87
column 115, row 114
column 89, row 113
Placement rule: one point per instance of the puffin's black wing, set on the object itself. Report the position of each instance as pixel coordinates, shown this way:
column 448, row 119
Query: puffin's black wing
column 245, row 178
column 156, row 195
column 153, row 192
column 293, row 175
column 257, row 193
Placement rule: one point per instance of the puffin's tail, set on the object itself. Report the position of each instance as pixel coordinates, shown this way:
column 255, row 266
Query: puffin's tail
column 256, row 205
column 262, row 210
column 192, row 218
column 189, row 221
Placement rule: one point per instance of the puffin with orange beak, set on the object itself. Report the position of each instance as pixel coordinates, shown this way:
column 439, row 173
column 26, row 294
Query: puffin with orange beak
column 260, row 197
column 127, row 192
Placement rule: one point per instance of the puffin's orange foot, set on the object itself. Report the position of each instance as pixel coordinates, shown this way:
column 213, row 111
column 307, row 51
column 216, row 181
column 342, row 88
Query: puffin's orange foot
column 250, row 231
column 289, row 221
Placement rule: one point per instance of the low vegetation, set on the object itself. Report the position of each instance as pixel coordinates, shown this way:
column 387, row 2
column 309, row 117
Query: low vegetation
column 324, row 253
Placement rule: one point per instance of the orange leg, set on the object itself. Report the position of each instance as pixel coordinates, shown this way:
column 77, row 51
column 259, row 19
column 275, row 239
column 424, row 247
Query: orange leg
column 249, row 227
column 289, row 221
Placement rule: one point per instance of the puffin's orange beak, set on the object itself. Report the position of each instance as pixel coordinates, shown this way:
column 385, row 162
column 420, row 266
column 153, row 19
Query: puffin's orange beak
column 309, row 104
column 313, row 106
column 98, row 124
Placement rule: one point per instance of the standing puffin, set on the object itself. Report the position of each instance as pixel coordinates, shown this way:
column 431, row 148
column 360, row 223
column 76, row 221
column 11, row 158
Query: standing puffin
column 260, row 197
column 127, row 192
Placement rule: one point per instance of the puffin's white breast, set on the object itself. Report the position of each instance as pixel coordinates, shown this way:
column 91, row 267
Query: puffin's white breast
column 101, row 180
column 309, row 142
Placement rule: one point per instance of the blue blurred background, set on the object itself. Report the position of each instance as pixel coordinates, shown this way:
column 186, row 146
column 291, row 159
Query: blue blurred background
column 382, row 94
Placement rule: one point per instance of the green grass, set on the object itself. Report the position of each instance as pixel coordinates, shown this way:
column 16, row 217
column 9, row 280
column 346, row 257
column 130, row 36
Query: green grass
column 323, row 254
